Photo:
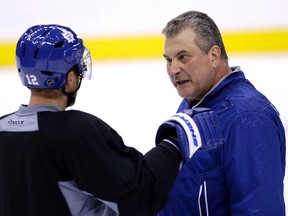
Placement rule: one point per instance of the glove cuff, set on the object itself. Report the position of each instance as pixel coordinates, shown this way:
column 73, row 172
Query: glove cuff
column 190, row 127
column 172, row 142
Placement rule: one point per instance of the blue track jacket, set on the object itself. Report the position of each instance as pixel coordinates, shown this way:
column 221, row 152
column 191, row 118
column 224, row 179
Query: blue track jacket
column 244, row 176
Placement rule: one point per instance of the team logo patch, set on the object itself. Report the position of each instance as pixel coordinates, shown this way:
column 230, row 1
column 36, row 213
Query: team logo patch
column 67, row 35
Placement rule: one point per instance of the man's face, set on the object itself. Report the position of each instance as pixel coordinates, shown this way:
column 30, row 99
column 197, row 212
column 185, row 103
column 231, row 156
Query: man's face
column 190, row 70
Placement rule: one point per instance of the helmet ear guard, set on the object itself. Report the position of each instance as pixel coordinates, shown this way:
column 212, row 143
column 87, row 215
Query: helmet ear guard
column 46, row 53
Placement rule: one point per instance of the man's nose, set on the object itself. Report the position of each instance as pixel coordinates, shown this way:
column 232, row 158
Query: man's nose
column 175, row 68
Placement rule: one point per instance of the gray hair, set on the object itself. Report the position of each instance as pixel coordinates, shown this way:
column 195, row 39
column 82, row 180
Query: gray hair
column 205, row 28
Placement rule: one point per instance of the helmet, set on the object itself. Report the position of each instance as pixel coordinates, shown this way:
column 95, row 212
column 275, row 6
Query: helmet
column 46, row 53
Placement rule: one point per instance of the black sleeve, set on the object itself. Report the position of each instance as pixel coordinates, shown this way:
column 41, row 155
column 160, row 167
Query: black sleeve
column 101, row 164
column 117, row 173
column 158, row 173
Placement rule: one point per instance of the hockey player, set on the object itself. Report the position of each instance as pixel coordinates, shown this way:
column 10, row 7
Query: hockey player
column 244, row 176
column 55, row 161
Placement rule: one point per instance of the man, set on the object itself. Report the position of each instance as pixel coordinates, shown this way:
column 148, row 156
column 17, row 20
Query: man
column 58, row 162
column 244, row 176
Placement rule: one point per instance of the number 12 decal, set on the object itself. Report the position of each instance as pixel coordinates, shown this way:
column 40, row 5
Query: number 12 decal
column 31, row 79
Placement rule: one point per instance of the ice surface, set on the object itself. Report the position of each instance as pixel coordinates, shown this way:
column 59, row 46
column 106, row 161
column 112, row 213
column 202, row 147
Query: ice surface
column 135, row 97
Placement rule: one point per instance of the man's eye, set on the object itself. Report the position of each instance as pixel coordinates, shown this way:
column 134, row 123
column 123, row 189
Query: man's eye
column 182, row 57
column 168, row 60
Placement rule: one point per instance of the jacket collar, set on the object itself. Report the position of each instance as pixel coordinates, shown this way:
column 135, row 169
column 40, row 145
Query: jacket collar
column 24, row 109
column 226, row 80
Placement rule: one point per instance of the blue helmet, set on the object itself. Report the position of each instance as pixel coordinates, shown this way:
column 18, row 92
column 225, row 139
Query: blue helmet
column 46, row 53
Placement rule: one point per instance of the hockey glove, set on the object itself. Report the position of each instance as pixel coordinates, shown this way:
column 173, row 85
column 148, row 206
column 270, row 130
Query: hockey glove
column 193, row 128
column 184, row 128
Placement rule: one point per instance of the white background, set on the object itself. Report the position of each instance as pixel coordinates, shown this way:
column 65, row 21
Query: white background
column 134, row 97
column 110, row 17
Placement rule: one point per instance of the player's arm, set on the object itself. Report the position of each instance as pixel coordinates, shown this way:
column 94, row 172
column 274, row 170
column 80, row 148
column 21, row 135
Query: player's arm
column 193, row 129
column 157, row 173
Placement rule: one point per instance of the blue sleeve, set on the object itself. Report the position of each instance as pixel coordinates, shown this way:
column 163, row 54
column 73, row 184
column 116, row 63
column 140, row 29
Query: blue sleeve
column 254, row 166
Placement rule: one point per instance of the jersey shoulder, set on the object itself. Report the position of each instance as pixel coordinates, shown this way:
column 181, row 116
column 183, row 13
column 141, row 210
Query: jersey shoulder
column 72, row 122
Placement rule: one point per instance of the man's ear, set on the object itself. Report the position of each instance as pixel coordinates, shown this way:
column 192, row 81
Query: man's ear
column 215, row 55
column 70, row 80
